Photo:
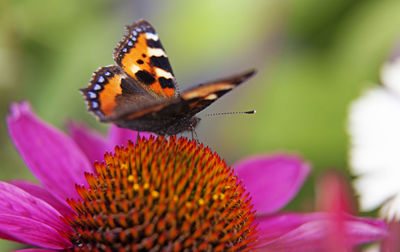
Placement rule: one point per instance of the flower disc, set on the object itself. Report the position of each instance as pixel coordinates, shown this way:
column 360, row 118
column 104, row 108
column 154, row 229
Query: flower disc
column 162, row 195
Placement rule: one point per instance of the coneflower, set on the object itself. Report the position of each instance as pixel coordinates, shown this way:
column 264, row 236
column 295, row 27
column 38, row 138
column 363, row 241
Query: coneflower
column 155, row 195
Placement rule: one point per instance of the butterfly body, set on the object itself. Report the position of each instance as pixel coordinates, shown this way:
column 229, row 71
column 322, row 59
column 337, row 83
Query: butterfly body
column 140, row 93
column 171, row 124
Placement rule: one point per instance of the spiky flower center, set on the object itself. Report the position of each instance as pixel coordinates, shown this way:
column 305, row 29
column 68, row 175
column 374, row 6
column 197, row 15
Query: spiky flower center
column 162, row 195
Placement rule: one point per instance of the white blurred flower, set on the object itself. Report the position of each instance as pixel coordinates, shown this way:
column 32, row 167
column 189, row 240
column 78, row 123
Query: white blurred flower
column 374, row 127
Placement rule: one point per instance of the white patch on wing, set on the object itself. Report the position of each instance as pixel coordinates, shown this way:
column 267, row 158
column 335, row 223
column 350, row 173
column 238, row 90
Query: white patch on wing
column 211, row 97
column 96, row 87
column 135, row 68
column 156, row 52
column 162, row 73
column 152, row 36
column 91, row 94
column 203, row 91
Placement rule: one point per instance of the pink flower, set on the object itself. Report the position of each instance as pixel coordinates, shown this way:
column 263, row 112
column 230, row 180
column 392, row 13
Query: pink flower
column 333, row 196
column 273, row 181
column 39, row 215
column 58, row 162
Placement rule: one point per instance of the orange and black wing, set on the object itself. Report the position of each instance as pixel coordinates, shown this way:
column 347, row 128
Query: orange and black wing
column 163, row 116
column 201, row 96
column 191, row 101
column 141, row 55
column 112, row 92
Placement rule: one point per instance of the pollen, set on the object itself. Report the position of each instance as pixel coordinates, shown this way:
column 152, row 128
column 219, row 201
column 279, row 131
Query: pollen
column 162, row 195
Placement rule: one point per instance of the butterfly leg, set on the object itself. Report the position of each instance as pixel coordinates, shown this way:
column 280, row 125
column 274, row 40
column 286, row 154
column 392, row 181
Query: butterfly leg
column 194, row 135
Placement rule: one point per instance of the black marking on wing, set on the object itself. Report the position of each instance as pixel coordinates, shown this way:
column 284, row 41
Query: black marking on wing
column 154, row 44
column 166, row 83
column 145, row 77
column 161, row 62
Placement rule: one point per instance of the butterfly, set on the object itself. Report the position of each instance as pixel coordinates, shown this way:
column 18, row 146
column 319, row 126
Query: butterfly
column 140, row 92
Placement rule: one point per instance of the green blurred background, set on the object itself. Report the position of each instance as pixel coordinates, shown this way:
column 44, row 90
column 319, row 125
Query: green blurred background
column 313, row 57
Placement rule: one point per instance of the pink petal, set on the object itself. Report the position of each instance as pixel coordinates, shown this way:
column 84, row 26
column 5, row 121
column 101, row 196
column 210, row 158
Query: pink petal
column 272, row 180
column 91, row 142
column 310, row 232
column 5, row 236
column 273, row 226
column 333, row 194
column 94, row 145
column 29, row 231
column 34, row 250
column 17, row 202
column 120, row 136
column 41, row 193
column 55, row 160
column 392, row 242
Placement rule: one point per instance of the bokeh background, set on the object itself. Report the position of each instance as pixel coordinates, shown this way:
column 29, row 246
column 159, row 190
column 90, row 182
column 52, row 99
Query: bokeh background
column 313, row 58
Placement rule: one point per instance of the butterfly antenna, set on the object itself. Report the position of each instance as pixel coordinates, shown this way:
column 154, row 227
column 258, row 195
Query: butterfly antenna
column 232, row 113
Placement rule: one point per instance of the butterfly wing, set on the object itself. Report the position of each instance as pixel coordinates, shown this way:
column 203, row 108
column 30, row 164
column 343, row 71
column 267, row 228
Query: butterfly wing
column 191, row 101
column 201, row 96
column 111, row 92
column 141, row 92
column 163, row 116
column 141, row 55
